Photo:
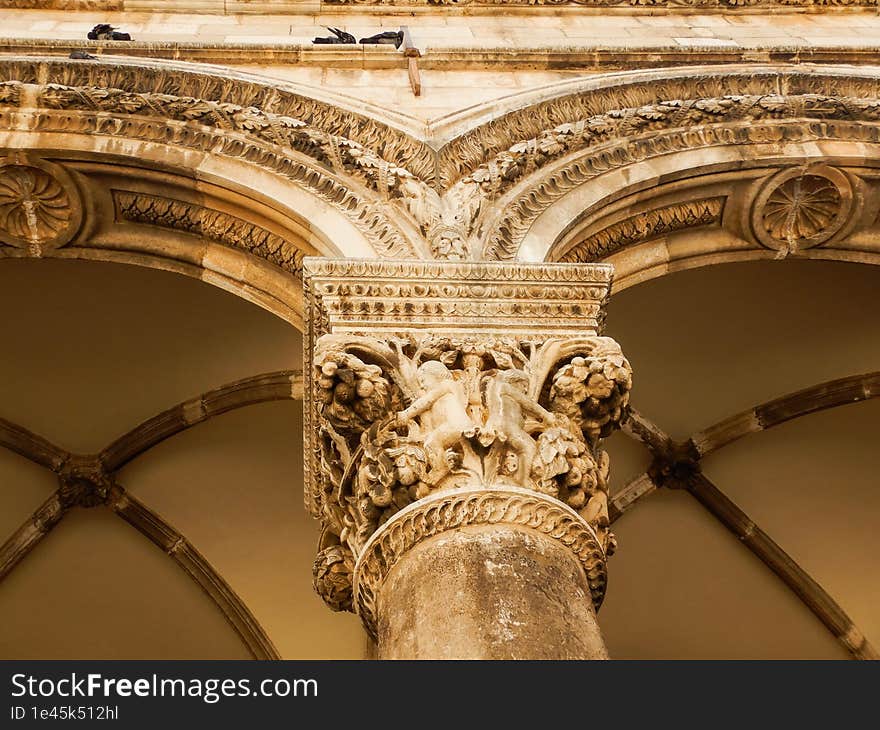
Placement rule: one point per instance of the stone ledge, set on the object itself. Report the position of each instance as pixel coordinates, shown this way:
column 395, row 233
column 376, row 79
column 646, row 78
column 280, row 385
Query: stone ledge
column 583, row 58
column 435, row 7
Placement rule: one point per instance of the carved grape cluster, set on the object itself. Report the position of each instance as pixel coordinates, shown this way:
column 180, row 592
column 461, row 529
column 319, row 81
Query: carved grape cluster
column 332, row 576
column 593, row 391
column 564, row 467
column 352, row 394
column 391, row 475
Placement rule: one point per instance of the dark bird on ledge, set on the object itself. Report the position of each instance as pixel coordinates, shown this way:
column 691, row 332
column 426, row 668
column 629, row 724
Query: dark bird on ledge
column 341, row 37
column 386, row 38
column 106, row 32
column 81, row 56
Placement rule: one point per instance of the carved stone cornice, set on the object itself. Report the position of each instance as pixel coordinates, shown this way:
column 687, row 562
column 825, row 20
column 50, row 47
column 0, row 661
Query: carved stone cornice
column 701, row 5
column 467, row 147
column 431, row 379
column 183, row 87
column 502, row 505
column 214, row 225
column 386, row 297
column 460, row 193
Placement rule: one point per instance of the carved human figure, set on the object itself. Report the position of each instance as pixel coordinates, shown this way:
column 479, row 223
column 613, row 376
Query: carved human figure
column 508, row 405
column 443, row 407
column 447, row 243
column 510, row 464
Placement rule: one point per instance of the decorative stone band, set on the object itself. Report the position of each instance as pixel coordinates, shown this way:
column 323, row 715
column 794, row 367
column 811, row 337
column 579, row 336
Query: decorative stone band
column 386, row 297
column 499, row 505
column 214, row 225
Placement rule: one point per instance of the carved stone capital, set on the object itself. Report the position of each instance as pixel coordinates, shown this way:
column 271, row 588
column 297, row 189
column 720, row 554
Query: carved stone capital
column 433, row 386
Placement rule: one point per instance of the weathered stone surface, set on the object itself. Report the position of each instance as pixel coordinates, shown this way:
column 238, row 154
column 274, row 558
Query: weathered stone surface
column 488, row 593
column 446, row 396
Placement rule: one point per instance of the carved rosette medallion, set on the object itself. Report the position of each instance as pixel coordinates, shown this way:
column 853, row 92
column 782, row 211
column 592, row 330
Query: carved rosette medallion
column 801, row 207
column 39, row 205
column 442, row 395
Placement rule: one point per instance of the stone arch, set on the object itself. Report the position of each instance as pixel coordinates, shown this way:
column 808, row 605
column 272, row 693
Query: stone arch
column 178, row 167
column 543, row 157
column 737, row 203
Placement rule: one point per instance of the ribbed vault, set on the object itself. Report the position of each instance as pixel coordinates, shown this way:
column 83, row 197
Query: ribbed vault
column 91, row 481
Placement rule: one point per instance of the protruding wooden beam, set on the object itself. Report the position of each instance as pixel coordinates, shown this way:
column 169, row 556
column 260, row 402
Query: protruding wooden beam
column 163, row 535
column 774, row 557
column 282, row 385
column 412, row 54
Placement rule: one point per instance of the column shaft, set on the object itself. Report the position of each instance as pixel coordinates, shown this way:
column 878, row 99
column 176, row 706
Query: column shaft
column 488, row 592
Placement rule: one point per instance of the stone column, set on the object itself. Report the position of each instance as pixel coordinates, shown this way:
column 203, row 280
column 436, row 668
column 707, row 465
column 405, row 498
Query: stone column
column 454, row 418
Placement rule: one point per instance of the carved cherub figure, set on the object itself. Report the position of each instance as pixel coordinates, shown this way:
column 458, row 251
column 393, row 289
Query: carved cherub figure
column 509, row 404
column 445, row 419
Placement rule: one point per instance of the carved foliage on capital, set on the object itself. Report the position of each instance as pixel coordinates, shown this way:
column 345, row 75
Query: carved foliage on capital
column 407, row 418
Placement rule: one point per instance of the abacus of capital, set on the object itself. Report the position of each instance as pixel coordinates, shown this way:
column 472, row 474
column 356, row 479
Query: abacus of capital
column 454, row 418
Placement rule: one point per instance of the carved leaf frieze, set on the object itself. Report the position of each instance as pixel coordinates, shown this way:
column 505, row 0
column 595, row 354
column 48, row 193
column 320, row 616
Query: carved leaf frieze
column 212, row 224
column 643, row 227
column 478, row 194
column 342, row 171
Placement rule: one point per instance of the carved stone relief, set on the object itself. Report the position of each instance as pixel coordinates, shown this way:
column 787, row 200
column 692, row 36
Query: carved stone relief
column 432, row 379
column 802, row 207
column 644, row 227
column 476, row 195
column 40, row 207
column 212, row 224
column 784, row 209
